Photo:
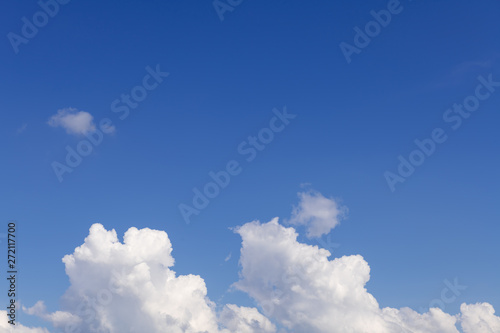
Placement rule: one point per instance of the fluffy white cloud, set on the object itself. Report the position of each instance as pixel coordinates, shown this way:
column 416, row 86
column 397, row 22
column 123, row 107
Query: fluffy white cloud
column 479, row 318
column 73, row 121
column 131, row 287
column 319, row 214
column 302, row 289
column 297, row 284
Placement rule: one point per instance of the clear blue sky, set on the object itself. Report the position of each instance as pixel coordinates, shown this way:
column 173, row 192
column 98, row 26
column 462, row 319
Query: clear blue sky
column 225, row 78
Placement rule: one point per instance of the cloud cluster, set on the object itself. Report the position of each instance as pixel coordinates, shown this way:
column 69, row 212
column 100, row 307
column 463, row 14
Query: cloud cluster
column 302, row 289
column 131, row 287
column 319, row 214
column 73, row 121
column 297, row 285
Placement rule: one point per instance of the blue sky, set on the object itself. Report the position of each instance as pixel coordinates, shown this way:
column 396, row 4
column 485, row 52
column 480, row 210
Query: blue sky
column 225, row 79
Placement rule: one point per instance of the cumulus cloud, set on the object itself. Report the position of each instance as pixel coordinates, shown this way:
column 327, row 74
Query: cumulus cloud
column 298, row 286
column 73, row 121
column 479, row 318
column 130, row 286
column 318, row 214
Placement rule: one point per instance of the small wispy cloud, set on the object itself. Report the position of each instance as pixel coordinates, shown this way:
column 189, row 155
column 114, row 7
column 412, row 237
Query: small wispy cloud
column 73, row 121
column 318, row 214
column 22, row 128
column 466, row 71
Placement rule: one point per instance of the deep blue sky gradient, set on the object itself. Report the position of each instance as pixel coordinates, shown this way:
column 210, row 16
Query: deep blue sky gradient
column 353, row 121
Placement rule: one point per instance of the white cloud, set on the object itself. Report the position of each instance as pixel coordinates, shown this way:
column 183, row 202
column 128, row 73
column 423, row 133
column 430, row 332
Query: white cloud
column 130, row 287
column 5, row 327
column 479, row 318
column 127, row 287
column 298, row 286
column 58, row 318
column 73, row 121
column 319, row 214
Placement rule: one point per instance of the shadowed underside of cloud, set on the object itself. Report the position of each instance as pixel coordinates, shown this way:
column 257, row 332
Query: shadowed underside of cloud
column 131, row 287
